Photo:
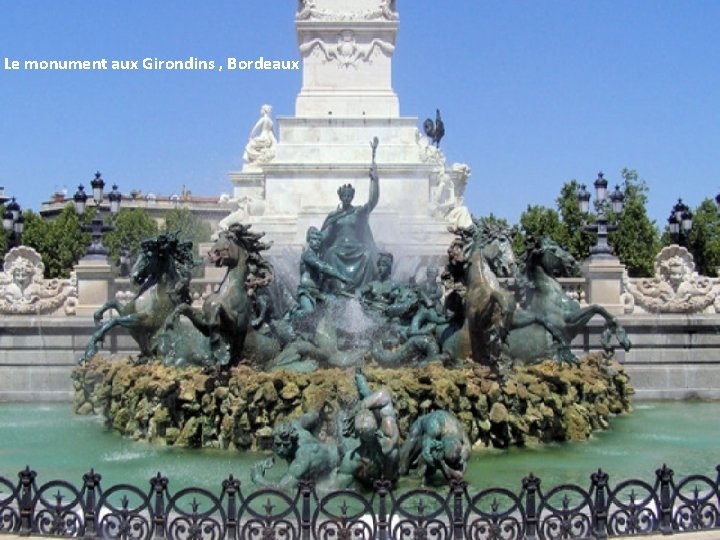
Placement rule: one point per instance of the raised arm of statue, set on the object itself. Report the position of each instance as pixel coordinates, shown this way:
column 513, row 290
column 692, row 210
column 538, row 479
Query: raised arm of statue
column 361, row 384
column 374, row 195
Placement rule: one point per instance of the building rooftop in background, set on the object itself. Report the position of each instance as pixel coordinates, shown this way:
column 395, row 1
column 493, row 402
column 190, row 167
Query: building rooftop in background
column 210, row 208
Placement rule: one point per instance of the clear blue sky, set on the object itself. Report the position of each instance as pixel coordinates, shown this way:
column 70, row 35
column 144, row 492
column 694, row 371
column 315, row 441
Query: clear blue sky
column 533, row 93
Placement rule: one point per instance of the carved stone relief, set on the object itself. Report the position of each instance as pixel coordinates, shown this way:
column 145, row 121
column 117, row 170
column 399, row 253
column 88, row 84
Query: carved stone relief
column 308, row 10
column 24, row 290
column 675, row 287
column 347, row 51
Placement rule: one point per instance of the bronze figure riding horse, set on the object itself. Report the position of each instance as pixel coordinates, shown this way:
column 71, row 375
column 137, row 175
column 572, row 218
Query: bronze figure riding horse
column 545, row 259
column 225, row 316
column 162, row 270
column 486, row 316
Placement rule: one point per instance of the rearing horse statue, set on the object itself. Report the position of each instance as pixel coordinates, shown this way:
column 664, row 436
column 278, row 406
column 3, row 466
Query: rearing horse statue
column 545, row 259
column 162, row 270
column 226, row 313
column 484, row 313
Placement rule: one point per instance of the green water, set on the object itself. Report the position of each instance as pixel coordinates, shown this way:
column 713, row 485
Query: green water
column 60, row 445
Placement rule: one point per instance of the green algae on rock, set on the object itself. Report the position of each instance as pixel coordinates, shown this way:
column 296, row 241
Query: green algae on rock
column 188, row 407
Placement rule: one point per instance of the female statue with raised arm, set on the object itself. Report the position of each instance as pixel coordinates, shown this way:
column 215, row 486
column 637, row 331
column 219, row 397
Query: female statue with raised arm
column 347, row 241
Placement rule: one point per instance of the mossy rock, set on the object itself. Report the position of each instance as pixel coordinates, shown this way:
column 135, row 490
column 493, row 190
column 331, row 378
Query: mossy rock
column 187, row 407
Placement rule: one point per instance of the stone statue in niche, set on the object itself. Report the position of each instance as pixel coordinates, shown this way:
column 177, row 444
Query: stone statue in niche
column 261, row 145
column 23, row 289
column 675, row 288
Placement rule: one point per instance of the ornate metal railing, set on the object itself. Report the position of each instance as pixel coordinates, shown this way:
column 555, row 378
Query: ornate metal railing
column 629, row 508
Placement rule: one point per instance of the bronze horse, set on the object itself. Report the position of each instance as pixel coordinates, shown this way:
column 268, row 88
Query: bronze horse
column 225, row 316
column 162, row 270
column 484, row 313
column 545, row 259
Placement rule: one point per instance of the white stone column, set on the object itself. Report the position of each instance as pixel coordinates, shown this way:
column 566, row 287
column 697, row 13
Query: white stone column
column 604, row 275
column 346, row 48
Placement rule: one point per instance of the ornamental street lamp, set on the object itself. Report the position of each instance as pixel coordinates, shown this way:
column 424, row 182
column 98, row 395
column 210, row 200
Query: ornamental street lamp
column 96, row 249
column 13, row 222
column 717, row 202
column 601, row 226
column 680, row 223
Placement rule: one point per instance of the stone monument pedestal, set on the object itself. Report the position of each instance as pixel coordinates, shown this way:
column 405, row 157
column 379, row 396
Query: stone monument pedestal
column 604, row 274
column 94, row 276
column 293, row 169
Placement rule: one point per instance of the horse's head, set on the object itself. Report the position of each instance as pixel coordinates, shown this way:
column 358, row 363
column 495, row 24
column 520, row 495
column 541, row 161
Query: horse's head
column 546, row 253
column 238, row 247
column 226, row 251
column 495, row 243
column 461, row 248
column 161, row 256
column 148, row 262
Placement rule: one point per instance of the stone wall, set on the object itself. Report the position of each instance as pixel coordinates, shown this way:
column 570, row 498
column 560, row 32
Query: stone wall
column 673, row 356
column 38, row 354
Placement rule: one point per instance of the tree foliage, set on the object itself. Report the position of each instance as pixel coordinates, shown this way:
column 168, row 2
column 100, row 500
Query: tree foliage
column 60, row 242
column 492, row 219
column 636, row 241
column 187, row 226
column 704, row 239
column 538, row 221
column 131, row 227
column 572, row 234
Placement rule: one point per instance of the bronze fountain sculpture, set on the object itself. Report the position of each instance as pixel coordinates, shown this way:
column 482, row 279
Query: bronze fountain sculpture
column 465, row 320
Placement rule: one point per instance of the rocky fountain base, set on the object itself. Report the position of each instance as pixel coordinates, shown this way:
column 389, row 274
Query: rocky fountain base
column 540, row 403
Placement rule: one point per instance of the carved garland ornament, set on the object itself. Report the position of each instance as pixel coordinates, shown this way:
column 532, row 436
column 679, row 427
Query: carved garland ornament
column 347, row 51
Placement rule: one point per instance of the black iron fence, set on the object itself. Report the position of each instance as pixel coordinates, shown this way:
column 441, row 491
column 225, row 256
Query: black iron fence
column 91, row 510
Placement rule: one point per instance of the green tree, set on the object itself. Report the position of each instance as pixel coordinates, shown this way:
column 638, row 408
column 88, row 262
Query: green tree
column 572, row 235
column 60, row 242
column 538, row 221
column 636, row 241
column 131, row 227
column 493, row 219
column 704, row 239
column 187, row 226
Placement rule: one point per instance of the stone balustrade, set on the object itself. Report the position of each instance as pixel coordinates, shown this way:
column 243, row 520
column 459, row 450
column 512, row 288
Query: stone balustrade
column 675, row 354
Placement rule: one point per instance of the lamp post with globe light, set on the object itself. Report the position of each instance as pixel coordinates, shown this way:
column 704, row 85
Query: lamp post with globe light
column 680, row 223
column 96, row 249
column 602, row 226
column 13, row 222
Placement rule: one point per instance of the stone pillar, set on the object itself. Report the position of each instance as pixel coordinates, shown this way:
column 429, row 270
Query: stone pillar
column 94, row 276
column 604, row 275
column 346, row 48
